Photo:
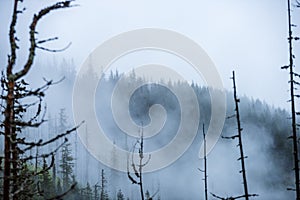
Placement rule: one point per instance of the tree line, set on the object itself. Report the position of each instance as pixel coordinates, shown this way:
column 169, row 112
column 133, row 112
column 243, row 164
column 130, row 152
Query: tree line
column 30, row 172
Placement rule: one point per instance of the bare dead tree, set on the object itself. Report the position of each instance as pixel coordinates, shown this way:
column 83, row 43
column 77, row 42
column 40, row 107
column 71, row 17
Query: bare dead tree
column 205, row 165
column 18, row 180
column 240, row 142
column 138, row 168
column 293, row 85
column 242, row 158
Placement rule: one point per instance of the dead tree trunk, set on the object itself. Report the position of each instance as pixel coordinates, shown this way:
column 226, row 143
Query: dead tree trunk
column 292, row 82
column 205, row 165
column 9, row 110
column 246, row 194
column 9, row 118
column 15, row 90
column 138, row 168
column 242, row 158
column 141, row 153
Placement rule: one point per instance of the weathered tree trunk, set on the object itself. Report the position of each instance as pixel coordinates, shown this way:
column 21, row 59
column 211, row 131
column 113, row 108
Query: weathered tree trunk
column 9, row 110
column 9, row 118
column 242, row 158
column 15, row 91
column 141, row 152
column 294, row 128
column 205, row 165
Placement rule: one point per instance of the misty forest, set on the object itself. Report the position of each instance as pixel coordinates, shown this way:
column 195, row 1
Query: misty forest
column 43, row 157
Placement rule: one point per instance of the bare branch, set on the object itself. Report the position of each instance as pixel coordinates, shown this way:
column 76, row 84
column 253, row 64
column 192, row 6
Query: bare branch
column 233, row 198
column 12, row 41
column 230, row 137
column 201, row 170
column 54, row 50
column 132, row 179
column 41, row 143
column 32, row 32
column 44, row 155
column 47, row 40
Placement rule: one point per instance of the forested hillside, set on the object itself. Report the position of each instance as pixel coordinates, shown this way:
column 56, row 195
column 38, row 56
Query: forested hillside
column 265, row 131
column 174, row 102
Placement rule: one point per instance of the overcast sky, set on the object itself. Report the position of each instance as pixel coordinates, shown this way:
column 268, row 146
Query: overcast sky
column 248, row 36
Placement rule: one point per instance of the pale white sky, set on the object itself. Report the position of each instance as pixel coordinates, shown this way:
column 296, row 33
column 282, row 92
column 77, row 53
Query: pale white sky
column 246, row 35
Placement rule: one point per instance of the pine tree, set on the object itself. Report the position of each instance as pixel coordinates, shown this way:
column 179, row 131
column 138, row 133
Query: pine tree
column 103, row 193
column 58, row 187
column 120, row 195
column 63, row 124
column 54, row 177
column 147, row 195
column 96, row 191
column 47, row 183
column 66, row 166
column 88, row 192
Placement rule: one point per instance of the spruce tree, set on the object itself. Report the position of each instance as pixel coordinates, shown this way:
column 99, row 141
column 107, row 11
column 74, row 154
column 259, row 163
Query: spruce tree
column 120, row 195
column 66, row 166
column 103, row 193
column 47, row 182
column 89, row 192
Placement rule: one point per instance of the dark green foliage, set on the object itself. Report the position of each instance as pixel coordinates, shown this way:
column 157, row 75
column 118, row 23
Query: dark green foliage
column 48, row 183
column 58, row 187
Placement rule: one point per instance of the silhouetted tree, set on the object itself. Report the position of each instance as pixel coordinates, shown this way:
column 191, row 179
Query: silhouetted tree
column 88, row 192
column 138, row 168
column 205, row 165
column 47, row 184
column 66, row 166
column 240, row 144
column 120, row 195
column 103, row 187
column 147, row 194
column 96, row 191
column 293, row 83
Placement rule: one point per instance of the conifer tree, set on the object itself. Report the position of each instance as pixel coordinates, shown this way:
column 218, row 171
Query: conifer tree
column 147, row 194
column 103, row 187
column 66, row 166
column 120, row 195
column 47, row 183
column 88, row 192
